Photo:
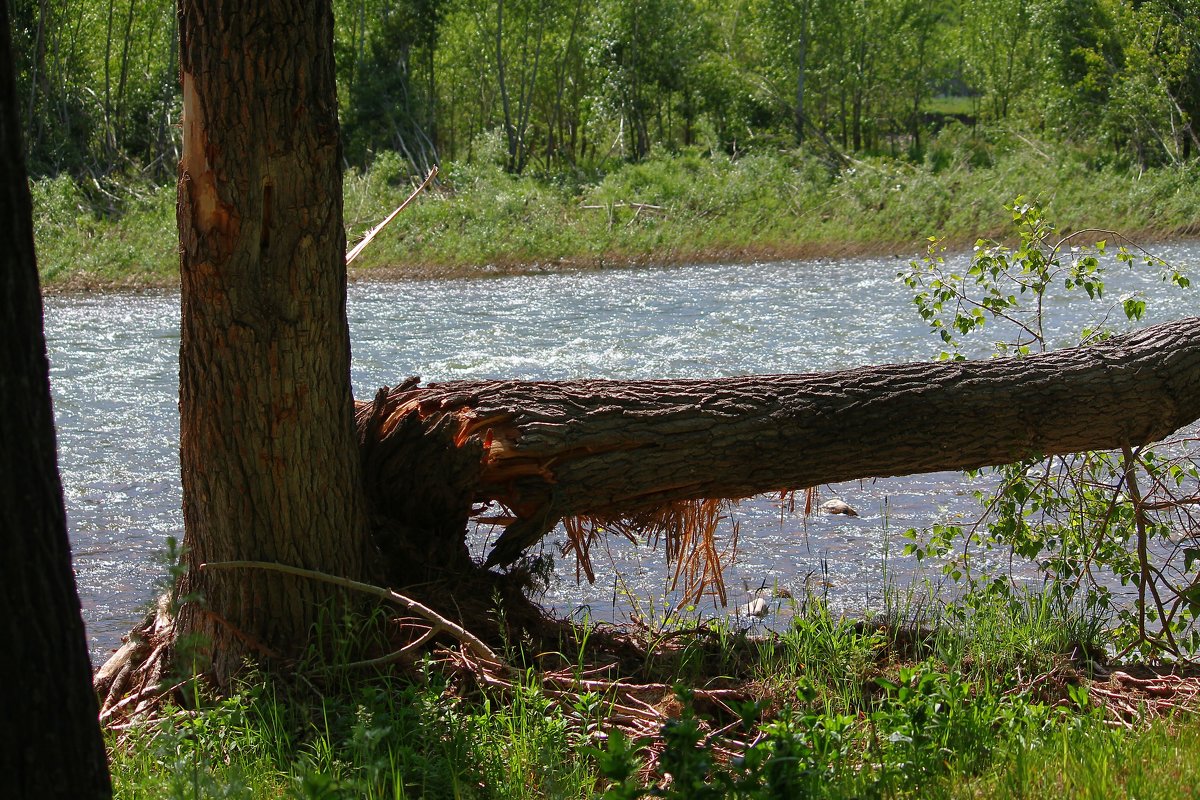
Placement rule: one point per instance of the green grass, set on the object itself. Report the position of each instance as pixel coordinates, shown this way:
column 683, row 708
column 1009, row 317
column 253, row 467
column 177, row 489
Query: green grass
column 126, row 239
column 844, row 709
column 1094, row 761
column 381, row 738
column 765, row 204
column 408, row 741
column 672, row 208
column 955, row 104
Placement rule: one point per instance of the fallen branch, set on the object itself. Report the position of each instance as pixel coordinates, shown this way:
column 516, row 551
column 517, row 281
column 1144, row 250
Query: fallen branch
column 636, row 206
column 608, row 449
column 442, row 625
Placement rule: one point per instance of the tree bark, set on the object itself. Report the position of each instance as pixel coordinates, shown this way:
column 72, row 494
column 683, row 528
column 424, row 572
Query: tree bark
column 552, row 450
column 270, row 470
column 50, row 745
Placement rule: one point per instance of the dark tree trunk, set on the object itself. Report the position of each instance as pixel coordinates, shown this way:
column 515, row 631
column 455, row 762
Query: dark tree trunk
column 552, row 450
column 50, row 744
column 798, row 117
column 270, row 469
column 510, row 128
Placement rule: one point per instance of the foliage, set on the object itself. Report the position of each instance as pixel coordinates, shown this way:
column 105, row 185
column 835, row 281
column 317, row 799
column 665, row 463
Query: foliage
column 1085, row 520
column 125, row 234
column 387, row 87
column 378, row 738
column 572, row 87
column 923, row 732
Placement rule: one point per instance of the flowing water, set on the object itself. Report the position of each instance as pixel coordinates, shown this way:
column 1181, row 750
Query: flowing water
column 114, row 372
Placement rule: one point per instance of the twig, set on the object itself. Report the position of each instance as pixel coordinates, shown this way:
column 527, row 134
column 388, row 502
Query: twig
column 366, row 240
column 395, row 655
column 469, row 640
column 1139, row 517
column 635, row 206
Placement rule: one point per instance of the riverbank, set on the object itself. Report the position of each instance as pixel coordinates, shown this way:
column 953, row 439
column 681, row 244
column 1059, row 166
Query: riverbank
column 672, row 209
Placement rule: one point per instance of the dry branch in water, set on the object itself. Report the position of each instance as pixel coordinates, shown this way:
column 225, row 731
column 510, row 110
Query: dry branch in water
column 371, row 234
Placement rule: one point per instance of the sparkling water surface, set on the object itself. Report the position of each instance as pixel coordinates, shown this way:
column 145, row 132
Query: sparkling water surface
column 114, row 375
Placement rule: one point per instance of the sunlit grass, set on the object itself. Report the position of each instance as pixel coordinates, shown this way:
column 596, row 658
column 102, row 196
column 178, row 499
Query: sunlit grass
column 82, row 238
column 954, row 104
column 387, row 738
column 672, row 208
column 1094, row 761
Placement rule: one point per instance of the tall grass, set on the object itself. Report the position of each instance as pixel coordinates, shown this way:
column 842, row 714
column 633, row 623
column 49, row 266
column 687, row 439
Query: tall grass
column 115, row 236
column 845, row 709
column 672, row 208
column 693, row 206
column 1092, row 761
column 386, row 738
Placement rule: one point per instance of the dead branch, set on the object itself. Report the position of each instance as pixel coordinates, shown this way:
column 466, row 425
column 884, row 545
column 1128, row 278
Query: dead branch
column 467, row 639
column 366, row 240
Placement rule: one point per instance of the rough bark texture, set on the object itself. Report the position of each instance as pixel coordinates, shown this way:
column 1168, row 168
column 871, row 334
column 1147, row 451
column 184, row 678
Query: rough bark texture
column 50, row 744
column 551, row 450
column 270, row 469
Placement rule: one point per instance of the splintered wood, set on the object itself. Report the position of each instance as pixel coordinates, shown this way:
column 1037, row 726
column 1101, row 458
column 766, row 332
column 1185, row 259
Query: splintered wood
column 688, row 531
column 522, row 479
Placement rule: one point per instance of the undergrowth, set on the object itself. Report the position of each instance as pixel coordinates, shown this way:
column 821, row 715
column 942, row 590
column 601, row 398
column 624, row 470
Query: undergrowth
column 671, row 208
column 836, row 708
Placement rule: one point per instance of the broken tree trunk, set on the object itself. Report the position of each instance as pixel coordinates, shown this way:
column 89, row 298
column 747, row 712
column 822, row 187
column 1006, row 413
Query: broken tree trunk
column 550, row 450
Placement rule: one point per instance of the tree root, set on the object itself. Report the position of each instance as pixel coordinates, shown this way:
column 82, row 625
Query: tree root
column 637, row 710
column 1129, row 701
column 129, row 683
column 1125, row 700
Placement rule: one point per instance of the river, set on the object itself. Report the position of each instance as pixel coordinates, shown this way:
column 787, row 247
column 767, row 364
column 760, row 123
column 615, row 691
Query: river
column 114, row 376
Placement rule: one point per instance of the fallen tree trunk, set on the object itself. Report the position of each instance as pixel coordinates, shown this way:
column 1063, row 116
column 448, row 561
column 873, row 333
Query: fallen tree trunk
column 550, row 450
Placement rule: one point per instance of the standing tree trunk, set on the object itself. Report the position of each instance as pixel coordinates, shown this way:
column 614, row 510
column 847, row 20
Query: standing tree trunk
column 50, row 744
column 270, row 466
column 510, row 130
column 798, row 117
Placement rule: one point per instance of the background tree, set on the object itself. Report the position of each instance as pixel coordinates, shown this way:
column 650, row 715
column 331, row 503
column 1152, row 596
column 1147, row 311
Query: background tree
column 1153, row 100
column 999, row 51
column 517, row 52
column 918, row 58
column 387, row 73
column 647, row 50
column 50, row 745
column 789, row 25
column 425, row 78
column 1081, row 55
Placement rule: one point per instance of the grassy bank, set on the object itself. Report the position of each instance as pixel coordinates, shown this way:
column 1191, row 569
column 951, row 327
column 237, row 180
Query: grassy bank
column 998, row 703
column 671, row 209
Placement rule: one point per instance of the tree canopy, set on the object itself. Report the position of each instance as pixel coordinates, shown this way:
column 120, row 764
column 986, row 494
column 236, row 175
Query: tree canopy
column 568, row 85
